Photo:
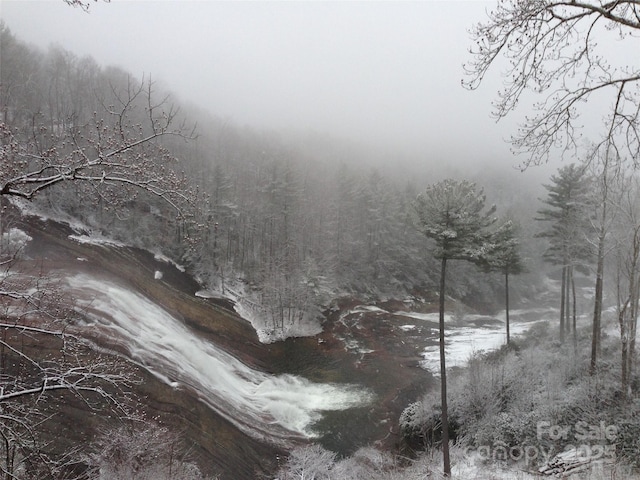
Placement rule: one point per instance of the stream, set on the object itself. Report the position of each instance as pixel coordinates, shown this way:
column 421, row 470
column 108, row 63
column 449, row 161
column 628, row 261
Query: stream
column 266, row 406
column 470, row 334
column 241, row 401
column 287, row 407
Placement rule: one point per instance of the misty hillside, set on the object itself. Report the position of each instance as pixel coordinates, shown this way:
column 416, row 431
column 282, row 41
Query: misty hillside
column 184, row 295
column 297, row 220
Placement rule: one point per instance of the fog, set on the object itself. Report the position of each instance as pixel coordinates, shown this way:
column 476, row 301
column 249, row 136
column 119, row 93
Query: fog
column 385, row 74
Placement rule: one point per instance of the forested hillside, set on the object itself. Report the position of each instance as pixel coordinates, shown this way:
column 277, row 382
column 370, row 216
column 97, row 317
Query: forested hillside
column 295, row 217
column 140, row 235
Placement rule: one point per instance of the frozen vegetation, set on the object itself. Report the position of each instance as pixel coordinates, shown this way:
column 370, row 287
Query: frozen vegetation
column 514, row 412
column 12, row 241
column 286, row 226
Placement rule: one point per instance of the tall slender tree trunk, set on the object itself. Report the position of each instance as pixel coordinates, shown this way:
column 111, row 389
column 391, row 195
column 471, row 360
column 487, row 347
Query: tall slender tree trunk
column 634, row 293
column 624, row 337
column 443, row 375
column 506, row 301
column 574, row 302
column 1, row 224
column 629, row 315
column 633, row 328
column 569, row 305
column 597, row 305
column 563, row 300
column 575, row 320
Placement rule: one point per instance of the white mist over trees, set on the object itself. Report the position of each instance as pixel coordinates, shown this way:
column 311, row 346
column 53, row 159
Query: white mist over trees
column 286, row 224
column 297, row 219
column 560, row 58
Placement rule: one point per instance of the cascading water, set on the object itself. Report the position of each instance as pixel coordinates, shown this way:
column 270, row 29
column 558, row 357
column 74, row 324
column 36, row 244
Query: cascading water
column 271, row 407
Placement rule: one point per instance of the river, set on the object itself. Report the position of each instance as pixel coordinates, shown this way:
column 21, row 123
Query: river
column 268, row 407
column 345, row 387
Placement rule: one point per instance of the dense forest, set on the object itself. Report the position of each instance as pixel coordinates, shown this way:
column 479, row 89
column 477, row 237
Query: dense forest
column 296, row 217
column 284, row 224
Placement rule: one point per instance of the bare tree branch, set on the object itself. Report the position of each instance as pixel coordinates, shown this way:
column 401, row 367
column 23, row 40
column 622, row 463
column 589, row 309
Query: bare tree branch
column 553, row 50
column 40, row 356
column 102, row 153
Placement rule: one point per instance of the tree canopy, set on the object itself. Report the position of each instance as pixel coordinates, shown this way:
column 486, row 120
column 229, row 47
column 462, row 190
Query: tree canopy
column 566, row 214
column 452, row 213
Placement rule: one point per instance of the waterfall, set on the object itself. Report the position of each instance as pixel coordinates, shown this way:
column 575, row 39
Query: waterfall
column 265, row 406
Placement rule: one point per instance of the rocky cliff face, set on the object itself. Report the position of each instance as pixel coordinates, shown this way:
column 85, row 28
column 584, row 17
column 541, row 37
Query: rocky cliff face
column 362, row 348
column 219, row 447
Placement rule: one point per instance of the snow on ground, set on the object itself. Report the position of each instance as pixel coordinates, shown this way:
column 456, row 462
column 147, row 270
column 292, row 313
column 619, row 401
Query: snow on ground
column 366, row 309
column 209, row 294
column 253, row 312
column 430, row 317
column 471, row 334
column 462, row 342
column 163, row 258
column 94, row 238
column 13, row 240
column 29, row 208
column 472, row 467
column 265, row 329
column 470, row 464
column 84, row 233
column 464, row 335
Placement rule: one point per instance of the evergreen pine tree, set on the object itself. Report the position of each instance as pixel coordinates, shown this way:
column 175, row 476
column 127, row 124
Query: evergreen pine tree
column 504, row 257
column 452, row 214
column 566, row 214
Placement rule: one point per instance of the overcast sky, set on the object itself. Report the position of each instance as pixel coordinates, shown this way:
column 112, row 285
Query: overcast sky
column 383, row 73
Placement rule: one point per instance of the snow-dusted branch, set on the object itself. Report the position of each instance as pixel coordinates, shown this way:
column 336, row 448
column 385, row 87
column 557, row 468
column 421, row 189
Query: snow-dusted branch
column 554, row 49
column 120, row 150
column 61, row 383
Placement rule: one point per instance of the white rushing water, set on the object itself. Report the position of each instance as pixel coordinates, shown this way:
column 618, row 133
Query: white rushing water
column 274, row 407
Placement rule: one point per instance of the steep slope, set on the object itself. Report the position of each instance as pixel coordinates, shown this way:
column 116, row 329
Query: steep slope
column 220, row 446
column 274, row 395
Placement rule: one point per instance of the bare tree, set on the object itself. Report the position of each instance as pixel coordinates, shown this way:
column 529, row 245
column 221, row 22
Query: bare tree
column 141, row 451
column 607, row 189
column 44, row 363
column 73, row 134
column 557, row 50
column 112, row 151
column 84, row 5
column 309, row 462
column 628, row 279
